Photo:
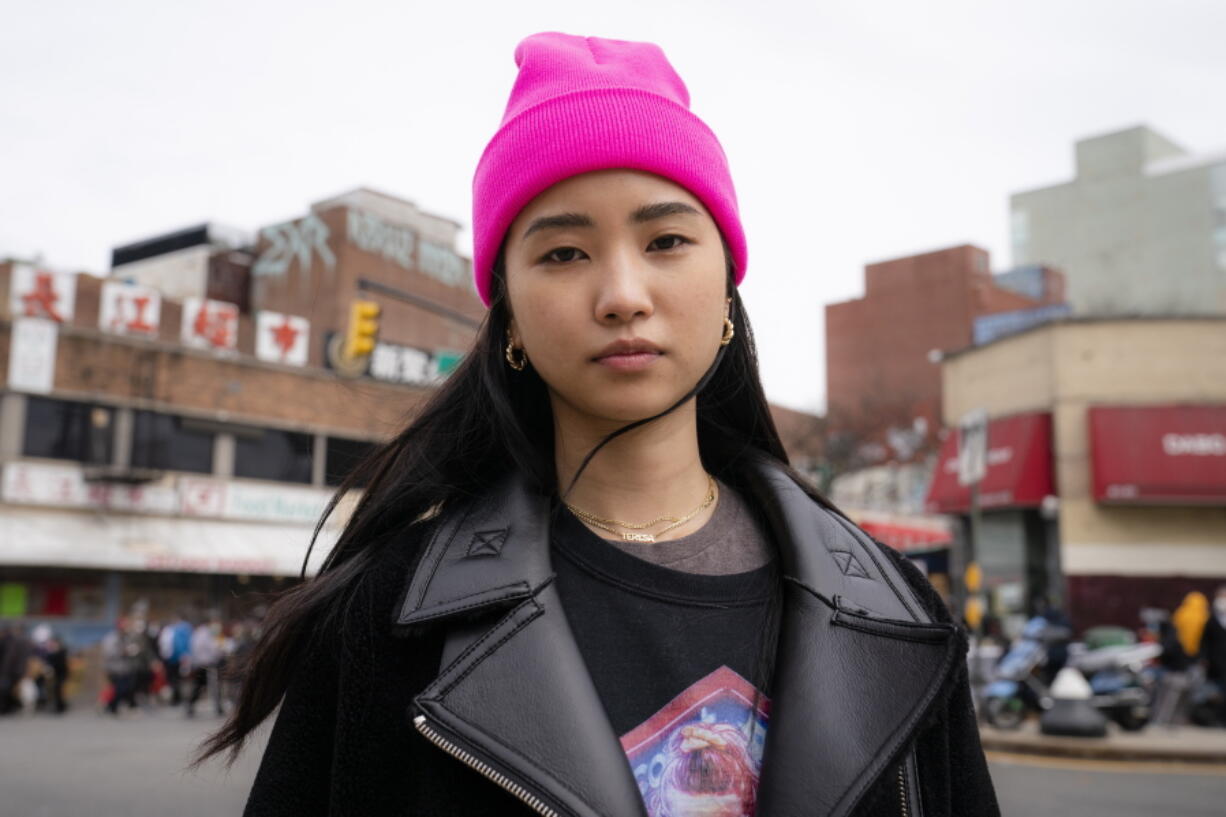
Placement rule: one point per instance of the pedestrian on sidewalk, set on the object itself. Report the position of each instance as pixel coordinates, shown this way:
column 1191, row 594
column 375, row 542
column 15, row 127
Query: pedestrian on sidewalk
column 174, row 647
column 1213, row 648
column 584, row 578
column 121, row 657
column 206, row 656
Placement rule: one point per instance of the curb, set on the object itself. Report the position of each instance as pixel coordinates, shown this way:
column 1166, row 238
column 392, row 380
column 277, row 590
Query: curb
column 1100, row 748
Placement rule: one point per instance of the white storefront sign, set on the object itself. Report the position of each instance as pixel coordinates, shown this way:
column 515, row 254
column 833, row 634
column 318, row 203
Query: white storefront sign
column 282, row 338
column 402, row 364
column 972, row 447
column 43, row 537
column 64, row 486
column 129, row 309
column 37, row 293
column 32, row 346
column 249, row 501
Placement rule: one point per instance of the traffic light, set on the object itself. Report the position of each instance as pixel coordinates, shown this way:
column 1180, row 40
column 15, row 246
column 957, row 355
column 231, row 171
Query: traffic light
column 363, row 329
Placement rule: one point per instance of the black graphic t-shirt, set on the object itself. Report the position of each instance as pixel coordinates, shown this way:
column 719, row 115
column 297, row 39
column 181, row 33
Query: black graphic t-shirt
column 672, row 654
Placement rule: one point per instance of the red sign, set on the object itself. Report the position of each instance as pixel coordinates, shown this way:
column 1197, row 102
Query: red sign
column 1159, row 454
column 1019, row 467
column 210, row 324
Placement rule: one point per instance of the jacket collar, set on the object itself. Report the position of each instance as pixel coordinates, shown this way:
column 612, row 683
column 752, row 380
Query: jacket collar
column 858, row 667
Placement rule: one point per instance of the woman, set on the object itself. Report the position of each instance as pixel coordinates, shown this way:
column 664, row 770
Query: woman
column 584, row 581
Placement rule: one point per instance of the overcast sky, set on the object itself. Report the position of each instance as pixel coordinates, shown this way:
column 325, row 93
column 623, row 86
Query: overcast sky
column 857, row 130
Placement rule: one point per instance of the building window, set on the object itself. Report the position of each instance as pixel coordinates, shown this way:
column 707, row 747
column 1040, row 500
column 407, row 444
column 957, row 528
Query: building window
column 267, row 453
column 1019, row 228
column 170, row 443
column 343, row 456
column 64, row 430
column 1217, row 187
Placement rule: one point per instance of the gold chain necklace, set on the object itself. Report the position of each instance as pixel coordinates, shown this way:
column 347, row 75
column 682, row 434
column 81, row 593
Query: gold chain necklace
column 634, row 536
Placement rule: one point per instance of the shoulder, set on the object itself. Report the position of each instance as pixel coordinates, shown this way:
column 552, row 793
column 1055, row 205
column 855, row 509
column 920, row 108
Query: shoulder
column 923, row 590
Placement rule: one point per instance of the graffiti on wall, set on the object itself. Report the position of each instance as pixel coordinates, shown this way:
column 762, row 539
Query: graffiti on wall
column 295, row 241
column 441, row 263
column 398, row 244
column 374, row 235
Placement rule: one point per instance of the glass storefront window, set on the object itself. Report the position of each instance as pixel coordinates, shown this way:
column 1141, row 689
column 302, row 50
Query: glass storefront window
column 167, row 442
column 267, row 453
column 343, row 455
column 66, row 430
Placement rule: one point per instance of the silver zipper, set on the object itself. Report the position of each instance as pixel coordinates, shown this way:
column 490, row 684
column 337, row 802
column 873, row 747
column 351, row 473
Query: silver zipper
column 465, row 757
column 902, row 788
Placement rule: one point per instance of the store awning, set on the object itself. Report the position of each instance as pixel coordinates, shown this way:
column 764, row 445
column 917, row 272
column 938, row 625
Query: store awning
column 906, row 534
column 1169, row 454
column 72, row 538
column 1019, row 467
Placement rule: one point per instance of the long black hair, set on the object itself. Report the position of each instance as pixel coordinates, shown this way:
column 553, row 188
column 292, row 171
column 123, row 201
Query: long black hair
column 484, row 420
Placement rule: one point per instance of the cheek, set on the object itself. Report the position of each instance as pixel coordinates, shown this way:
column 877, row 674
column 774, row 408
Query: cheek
column 548, row 323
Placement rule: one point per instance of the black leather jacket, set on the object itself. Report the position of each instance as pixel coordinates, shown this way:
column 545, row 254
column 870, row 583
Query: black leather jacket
column 869, row 706
column 860, row 663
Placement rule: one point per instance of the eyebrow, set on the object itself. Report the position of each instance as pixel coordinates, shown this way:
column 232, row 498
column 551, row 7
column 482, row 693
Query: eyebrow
column 559, row 221
column 648, row 212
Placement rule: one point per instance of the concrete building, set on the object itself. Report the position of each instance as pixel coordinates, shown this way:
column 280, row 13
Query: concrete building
column 1106, row 482
column 879, row 371
column 1139, row 230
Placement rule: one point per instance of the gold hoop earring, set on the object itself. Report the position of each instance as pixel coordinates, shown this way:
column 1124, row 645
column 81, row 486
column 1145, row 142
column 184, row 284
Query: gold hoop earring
column 515, row 363
column 729, row 332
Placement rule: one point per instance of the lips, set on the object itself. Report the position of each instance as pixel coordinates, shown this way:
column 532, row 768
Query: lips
column 629, row 354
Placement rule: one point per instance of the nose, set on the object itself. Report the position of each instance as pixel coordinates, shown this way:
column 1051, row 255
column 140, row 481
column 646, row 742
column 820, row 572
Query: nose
column 623, row 291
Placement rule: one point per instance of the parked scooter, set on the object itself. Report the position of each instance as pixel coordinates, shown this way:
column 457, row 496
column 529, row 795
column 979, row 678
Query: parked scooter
column 1020, row 687
column 1123, row 686
column 1207, row 704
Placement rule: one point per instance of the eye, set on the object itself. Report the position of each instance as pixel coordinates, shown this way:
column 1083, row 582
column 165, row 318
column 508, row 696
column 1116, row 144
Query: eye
column 668, row 242
column 562, row 255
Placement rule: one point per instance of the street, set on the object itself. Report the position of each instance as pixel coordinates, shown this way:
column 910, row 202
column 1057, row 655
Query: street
column 85, row 764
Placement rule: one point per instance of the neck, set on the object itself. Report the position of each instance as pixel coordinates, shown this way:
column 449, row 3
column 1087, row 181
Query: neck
column 654, row 470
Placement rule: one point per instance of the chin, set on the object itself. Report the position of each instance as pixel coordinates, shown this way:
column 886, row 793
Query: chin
column 626, row 406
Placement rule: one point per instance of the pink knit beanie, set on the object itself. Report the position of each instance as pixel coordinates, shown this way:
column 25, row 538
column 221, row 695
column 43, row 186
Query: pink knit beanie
column 584, row 103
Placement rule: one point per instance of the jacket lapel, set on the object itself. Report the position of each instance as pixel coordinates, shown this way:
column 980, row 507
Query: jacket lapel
column 858, row 665
column 514, row 689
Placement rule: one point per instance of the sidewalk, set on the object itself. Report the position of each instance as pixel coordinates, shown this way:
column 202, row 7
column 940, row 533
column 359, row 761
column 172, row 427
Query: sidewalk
column 1184, row 744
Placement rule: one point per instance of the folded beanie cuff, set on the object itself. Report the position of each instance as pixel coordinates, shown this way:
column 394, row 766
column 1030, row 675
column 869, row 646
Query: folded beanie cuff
column 597, row 129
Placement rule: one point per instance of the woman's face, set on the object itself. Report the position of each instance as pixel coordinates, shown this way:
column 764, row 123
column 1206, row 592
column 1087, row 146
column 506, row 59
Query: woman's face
column 616, row 281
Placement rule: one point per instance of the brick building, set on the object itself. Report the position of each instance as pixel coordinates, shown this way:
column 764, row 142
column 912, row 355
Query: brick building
column 879, row 370
column 170, row 434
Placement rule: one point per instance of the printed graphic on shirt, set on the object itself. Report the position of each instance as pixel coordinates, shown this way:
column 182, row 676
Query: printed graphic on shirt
column 701, row 754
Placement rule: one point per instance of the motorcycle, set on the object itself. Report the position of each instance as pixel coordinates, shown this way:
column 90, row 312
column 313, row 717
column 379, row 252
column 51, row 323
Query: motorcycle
column 1017, row 689
column 1120, row 682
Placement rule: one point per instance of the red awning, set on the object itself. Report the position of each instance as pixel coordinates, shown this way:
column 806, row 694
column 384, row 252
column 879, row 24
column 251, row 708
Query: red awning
column 907, row 536
column 1019, row 471
column 1159, row 454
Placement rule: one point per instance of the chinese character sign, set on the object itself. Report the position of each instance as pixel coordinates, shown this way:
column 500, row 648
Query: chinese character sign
column 37, row 293
column 209, row 324
column 401, row 364
column 129, row 309
column 282, row 338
